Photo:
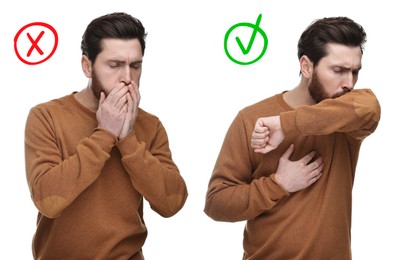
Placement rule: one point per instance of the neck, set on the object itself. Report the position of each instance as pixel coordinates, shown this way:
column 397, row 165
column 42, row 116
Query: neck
column 299, row 96
column 87, row 99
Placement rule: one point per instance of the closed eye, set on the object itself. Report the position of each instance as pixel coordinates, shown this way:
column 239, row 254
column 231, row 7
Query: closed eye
column 136, row 65
column 115, row 64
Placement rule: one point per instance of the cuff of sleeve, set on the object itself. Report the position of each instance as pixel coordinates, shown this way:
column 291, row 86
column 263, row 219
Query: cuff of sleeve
column 288, row 123
column 126, row 145
column 104, row 138
column 279, row 192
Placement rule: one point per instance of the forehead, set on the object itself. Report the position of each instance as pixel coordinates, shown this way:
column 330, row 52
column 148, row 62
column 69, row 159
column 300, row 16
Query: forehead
column 121, row 49
column 342, row 55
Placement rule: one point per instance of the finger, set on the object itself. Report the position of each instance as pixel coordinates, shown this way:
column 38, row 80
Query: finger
column 260, row 122
column 116, row 89
column 121, row 102
column 265, row 149
column 316, row 164
column 131, row 91
column 134, row 95
column 288, row 151
column 315, row 174
column 315, row 178
column 116, row 94
column 262, row 150
column 137, row 96
column 308, row 157
column 124, row 109
column 102, row 98
column 259, row 143
column 258, row 126
column 260, row 140
column 261, row 130
column 260, row 135
column 130, row 102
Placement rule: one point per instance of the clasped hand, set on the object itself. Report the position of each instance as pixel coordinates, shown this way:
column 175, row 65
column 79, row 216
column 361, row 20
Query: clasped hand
column 267, row 135
column 118, row 111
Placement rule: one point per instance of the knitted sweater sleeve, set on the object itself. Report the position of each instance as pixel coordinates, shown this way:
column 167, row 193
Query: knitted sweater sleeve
column 153, row 173
column 356, row 113
column 55, row 181
column 233, row 195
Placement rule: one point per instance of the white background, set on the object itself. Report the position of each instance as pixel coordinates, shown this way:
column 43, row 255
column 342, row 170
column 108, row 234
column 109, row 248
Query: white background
column 193, row 87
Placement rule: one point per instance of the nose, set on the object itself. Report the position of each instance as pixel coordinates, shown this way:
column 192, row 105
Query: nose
column 126, row 75
column 349, row 82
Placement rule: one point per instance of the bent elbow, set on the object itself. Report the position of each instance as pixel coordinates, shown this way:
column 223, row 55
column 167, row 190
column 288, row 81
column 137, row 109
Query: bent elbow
column 173, row 205
column 217, row 212
column 368, row 105
column 52, row 206
column 373, row 116
column 213, row 214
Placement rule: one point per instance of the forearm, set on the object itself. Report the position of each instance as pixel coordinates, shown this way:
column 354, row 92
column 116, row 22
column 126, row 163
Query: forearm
column 154, row 175
column 233, row 202
column 356, row 113
column 55, row 182
column 233, row 194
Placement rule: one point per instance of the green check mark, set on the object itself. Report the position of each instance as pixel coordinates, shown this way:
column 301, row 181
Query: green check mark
column 255, row 28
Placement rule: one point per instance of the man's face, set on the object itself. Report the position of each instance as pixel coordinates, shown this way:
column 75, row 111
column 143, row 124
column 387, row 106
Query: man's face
column 120, row 61
column 336, row 73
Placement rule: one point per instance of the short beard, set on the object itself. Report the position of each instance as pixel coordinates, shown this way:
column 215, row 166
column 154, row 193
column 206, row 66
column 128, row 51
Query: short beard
column 96, row 86
column 316, row 89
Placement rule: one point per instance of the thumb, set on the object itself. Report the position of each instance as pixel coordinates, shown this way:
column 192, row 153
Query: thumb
column 102, row 98
column 259, row 123
column 289, row 151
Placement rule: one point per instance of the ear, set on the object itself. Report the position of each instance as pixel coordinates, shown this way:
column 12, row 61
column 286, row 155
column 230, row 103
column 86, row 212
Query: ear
column 306, row 66
column 86, row 66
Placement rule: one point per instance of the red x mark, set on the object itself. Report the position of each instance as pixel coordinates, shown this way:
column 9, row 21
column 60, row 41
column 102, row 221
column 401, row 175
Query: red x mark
column 35, row 44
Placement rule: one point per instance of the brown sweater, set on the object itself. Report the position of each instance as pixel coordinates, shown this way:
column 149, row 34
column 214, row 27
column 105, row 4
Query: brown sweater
column 314, row 223
column 89, row 187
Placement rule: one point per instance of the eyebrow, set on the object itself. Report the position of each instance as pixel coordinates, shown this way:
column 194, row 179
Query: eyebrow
column 347, row 68
column 123, row 62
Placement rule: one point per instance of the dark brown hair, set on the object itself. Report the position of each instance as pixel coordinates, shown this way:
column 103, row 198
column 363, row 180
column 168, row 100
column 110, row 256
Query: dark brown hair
column 341, row 30
column 111, row 26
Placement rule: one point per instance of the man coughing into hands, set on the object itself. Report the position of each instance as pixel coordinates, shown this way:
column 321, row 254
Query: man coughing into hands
column 93, row 156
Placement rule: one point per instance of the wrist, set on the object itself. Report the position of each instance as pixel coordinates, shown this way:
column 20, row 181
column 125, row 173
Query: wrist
column 278, row 180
